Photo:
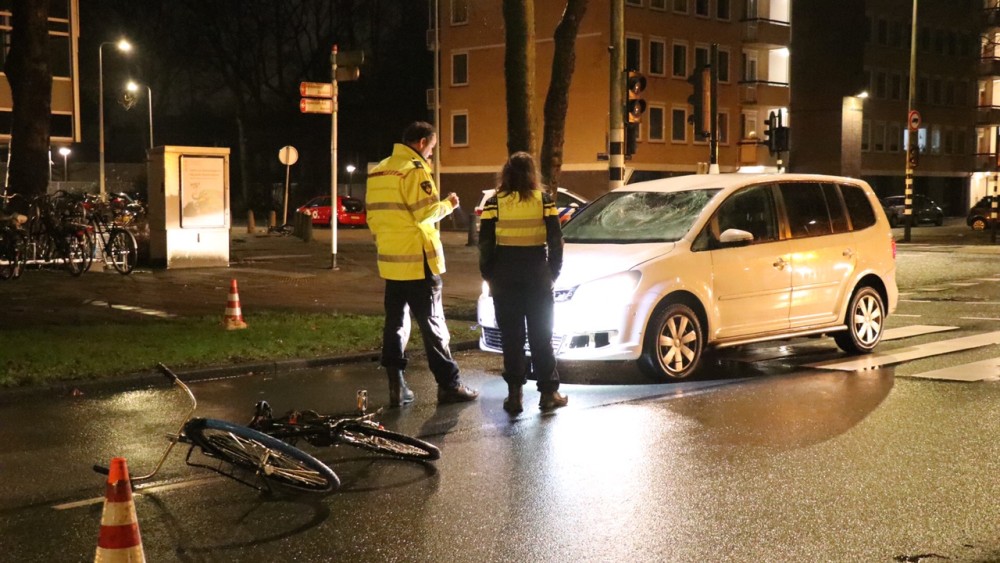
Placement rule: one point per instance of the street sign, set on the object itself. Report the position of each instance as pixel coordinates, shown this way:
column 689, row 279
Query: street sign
column 316, row 105
column 913, row 120
column 316, row 90
column 288, row 155
column 350, row 58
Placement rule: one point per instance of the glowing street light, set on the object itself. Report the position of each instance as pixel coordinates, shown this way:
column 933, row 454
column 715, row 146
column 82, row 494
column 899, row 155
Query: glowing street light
column 133, row 87
column 123, row 46
column 64, row 151
column 350, row 179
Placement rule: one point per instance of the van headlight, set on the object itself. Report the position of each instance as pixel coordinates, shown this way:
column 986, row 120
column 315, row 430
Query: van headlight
column 486, row 289
column 610, row 289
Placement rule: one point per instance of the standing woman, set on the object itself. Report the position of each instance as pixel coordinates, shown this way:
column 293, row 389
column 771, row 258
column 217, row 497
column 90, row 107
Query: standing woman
column 520, row 255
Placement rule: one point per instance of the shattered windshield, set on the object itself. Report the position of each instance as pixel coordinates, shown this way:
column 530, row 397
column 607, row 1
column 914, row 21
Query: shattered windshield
column 631, row 217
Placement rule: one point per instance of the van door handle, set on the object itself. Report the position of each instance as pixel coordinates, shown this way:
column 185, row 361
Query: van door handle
column 780, row 264
column 848, row 253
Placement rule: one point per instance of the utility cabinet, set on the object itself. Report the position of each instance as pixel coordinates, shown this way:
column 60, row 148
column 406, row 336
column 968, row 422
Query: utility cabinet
column 189, row 214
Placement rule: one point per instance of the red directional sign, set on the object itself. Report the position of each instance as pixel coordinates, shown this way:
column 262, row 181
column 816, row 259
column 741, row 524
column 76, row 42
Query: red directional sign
column 316, row 90
column 316, row 105
column 913, row 120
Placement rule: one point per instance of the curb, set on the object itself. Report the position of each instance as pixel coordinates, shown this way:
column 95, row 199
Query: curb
column 133, row 381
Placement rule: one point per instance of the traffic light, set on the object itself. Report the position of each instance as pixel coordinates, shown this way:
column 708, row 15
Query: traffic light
column 635, row 106
column 770, row 138
column 913, row 155
column 700, row 102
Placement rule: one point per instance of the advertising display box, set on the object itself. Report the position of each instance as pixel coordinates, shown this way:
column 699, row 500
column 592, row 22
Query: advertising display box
column 189, row 215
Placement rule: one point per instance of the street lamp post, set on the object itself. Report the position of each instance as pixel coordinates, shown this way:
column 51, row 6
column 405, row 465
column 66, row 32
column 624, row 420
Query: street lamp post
column 64, row 151
column 123, row 46
column 912, row 137
column 133, row 87
column 350, row 179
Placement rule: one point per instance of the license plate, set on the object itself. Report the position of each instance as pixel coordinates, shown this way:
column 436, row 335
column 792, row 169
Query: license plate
column 355, row 217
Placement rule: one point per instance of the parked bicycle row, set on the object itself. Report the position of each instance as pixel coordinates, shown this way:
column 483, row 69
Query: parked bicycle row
column 67, row 231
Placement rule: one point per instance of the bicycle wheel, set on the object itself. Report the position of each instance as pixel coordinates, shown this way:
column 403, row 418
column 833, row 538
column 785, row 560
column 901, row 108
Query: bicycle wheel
column 122, row 250
column 388, row 442
column 269, row 458
column 77, row 249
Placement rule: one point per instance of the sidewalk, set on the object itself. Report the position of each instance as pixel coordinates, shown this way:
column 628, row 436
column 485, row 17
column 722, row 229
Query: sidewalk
column 274, row 273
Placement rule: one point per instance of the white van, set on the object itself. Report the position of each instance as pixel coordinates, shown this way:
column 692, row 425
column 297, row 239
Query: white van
column 659, row 271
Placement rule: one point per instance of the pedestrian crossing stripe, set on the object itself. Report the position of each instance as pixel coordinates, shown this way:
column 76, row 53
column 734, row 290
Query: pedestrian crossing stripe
column 131, row 308
column 877, row 360
column 913, row 330
column 985, row 370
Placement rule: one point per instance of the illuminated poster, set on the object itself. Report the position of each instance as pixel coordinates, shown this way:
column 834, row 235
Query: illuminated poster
column 203, row 191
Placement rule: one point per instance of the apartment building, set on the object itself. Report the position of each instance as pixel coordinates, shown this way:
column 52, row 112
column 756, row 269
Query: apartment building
column 64, row 33
column 665, row 40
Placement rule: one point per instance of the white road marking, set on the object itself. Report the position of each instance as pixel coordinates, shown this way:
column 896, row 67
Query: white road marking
column 914, row 330
column 930, row 289
column 986, row 370
column 963, row 284
column 139, row 491
column 916, row 301
column 131, row 309
column 979, row 318
column 902, row 315
column 911, row 353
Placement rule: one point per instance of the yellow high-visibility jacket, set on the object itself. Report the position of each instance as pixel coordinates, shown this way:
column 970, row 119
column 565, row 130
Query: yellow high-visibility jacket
column 403, row 206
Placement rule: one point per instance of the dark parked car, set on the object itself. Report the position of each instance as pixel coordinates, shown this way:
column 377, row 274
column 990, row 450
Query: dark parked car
column 979, row 215
column 924, row 210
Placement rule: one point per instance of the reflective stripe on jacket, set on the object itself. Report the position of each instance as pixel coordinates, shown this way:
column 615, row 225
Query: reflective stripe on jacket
column 403, row 206
column 520, row 222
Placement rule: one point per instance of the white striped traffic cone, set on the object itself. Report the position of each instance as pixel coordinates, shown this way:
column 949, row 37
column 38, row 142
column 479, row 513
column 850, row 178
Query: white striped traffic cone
column 119, row 540
column 233, row 318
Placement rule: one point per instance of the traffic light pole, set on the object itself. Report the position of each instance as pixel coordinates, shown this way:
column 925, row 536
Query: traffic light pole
column 616, row 132
column 334, row 219
column 713, row 103
column 911, row 135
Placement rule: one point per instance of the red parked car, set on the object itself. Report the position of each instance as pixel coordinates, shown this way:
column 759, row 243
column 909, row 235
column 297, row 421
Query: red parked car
column 350, row 211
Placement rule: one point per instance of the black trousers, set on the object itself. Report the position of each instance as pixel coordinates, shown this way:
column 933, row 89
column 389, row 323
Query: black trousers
column 423, row 299
column 521, row 302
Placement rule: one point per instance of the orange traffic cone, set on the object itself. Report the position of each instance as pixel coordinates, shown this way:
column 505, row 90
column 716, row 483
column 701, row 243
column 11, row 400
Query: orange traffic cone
column 233, row 318
column 119, row 539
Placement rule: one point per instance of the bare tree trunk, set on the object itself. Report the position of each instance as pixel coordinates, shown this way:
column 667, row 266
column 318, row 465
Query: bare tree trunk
column 30, row 78
column 519, row 73
column 557, row 99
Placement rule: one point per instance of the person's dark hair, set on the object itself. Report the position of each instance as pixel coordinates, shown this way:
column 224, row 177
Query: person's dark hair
column 416, row 131
column 519, row 175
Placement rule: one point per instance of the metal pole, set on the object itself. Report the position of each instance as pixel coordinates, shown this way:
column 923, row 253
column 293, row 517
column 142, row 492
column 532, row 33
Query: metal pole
column 713, row 101
column 996, row 187
column 100, row 118
column 65, row 168
column 911, row 135
column 149, row 92
column 616, row 148
column 437, row 94
column 333, row 162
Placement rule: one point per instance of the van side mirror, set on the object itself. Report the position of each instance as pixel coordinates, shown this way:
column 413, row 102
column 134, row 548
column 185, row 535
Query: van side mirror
column 735, row 237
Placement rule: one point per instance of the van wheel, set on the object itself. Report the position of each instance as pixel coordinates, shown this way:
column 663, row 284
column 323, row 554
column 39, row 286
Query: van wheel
column 673, row 343
column 865, row 322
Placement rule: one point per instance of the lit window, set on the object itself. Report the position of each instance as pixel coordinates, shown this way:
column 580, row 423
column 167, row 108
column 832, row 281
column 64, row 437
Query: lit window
column 459, row 69
column 460, row 129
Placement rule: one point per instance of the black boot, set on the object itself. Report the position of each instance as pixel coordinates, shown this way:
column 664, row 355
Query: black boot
column 399, row 393
column 512, row 403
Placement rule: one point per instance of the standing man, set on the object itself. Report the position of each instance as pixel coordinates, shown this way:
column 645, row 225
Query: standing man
column 403, row 208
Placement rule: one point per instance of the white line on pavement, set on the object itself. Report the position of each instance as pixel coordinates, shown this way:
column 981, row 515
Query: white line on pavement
column 911, row 353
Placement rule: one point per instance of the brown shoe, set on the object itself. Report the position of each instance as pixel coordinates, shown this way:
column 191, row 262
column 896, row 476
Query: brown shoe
column 552, row 400
column 512, row 403
column 457, row 394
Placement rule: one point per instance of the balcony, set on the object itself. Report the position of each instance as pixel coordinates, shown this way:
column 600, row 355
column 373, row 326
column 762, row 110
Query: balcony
column 989, row 66
column 766, row 33
column 988, row 115
column 763, row 93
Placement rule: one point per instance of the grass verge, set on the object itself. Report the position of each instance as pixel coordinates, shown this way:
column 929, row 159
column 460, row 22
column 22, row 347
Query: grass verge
column 53, row 354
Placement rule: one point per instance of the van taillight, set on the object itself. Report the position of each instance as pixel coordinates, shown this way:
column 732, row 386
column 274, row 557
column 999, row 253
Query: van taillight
column 893, row 240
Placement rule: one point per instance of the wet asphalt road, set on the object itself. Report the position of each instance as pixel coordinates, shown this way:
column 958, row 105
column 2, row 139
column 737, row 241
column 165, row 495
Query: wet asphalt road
column 755, row 462
column 762, row 459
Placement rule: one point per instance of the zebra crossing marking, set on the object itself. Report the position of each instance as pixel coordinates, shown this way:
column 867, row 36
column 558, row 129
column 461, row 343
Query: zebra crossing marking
column 985, row 370
column 131, row 309
column 914, row 330
column 911, row 353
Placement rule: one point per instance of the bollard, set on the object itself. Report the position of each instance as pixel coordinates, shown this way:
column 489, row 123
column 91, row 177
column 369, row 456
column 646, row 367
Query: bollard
column 251, row 223
column 272, row 219
column 307, row 226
